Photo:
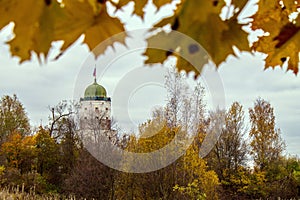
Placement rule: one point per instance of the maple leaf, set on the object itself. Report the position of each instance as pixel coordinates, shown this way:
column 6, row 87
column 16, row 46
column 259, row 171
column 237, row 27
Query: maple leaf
column 218, row 40
column 216, row 36
column 139, row 7
column 160, row 3
column 291, row 5
column 22, row 44
column 190, row 55
column 285, row 44
column 121, row 3
column 76, row 18
column 160, row 46
column 103, row 29
column 282, row 42
column 7, row 12
column 270, row 12
column 240, row 4
column 97, row 27
column 173, row 20
column 48, row 21
column 96, row 5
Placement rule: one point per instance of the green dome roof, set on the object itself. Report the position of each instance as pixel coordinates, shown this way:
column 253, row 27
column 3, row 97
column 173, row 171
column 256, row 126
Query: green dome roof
column 95, row 90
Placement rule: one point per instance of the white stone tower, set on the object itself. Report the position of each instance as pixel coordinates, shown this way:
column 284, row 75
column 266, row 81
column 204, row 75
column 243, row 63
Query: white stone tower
column 95, row 110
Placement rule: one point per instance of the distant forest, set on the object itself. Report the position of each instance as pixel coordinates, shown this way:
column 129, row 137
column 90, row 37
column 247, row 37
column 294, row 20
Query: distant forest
column 246, row 162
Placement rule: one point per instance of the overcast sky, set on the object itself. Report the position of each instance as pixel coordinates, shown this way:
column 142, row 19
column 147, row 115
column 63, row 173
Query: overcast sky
column 39, row 86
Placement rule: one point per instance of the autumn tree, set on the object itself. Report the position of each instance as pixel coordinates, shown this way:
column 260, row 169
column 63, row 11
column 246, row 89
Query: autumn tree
column 48, row 158
column 199, row 181
column 228, row 157
column 266, row 143
column 231, row 149
column 12, row 117
column 63, row 128
column 282, row 178
column 20, row 152
column 90, row 179
column 154, row 135
column 181, row 118
column 21, row 163
column 173, row 181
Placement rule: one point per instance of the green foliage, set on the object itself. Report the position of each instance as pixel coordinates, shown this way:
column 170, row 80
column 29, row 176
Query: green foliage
column 12, row 117
column 48, row 157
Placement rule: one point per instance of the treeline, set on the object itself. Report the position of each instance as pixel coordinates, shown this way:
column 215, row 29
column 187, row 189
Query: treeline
column 244, row 162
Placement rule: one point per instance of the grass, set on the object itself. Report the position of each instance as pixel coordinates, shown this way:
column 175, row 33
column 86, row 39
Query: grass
column 18, row 194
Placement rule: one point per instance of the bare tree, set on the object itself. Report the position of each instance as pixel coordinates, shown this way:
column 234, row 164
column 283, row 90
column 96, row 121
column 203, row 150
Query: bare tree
column 231, row 150
column 62, row 110
column 176, row 93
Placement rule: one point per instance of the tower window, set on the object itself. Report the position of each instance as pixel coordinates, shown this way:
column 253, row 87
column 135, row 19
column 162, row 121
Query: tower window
column 85, row 108
column 97, row 117
column 106, row 108
column 85, row 117
column 96, row 108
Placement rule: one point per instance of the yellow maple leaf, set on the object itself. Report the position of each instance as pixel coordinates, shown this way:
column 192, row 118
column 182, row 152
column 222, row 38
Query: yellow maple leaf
column 48, row 21
column 269, row 13
column 240, row 4
column 22, row 44
column 97, row 7
column 291, row 5
column 160, row 3
column 173, row 20
column 279, row 48
column 190, row 55
column 139, row 6
column 120, row 3
column 218, row 40
column 159, row 47
column 282, row 42
column 200, row 21
column 103, row 29
column 7, row 11
column 45, row 31
column 75, row 19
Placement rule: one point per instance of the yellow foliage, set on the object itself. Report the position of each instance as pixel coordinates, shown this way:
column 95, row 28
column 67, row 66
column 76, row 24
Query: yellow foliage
column 203, row 183
column 39, row 23
column 2, row 169
column 18, row 149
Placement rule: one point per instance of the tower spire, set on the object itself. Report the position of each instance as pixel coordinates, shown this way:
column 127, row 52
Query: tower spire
column 94, row 74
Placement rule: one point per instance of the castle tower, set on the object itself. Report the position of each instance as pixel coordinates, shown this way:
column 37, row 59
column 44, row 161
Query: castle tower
column 95, row 109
